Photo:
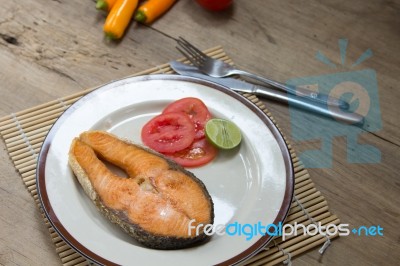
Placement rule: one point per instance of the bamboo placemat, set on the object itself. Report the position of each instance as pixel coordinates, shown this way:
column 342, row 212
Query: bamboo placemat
column 24, row 133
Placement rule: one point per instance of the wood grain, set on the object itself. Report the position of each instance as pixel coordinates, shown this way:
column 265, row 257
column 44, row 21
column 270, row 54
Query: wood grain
column 51, row 49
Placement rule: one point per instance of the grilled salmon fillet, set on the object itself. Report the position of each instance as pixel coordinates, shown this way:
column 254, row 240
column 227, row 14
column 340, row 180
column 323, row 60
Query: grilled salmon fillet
column 159, row 203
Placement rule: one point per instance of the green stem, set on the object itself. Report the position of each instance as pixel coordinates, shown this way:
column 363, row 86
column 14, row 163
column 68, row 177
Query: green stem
column 140, row 17
column 101, row 5
column 110, row 37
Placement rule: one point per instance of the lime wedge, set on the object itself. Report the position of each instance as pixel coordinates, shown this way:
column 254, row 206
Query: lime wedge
column 223, row 133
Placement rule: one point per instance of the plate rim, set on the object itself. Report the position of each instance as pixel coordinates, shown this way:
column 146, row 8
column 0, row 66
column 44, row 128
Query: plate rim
column 81, row 249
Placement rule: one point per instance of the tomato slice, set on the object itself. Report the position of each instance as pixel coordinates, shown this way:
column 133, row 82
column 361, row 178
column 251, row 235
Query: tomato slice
column 199, row 153
column 195, row 109
column 168, row 133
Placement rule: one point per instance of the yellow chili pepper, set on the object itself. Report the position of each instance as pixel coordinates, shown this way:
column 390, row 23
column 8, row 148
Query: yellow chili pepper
column 119, row 17
column 152, row 9
column 105, row 5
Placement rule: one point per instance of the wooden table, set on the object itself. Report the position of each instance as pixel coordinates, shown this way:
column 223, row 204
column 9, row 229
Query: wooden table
column 50, row 49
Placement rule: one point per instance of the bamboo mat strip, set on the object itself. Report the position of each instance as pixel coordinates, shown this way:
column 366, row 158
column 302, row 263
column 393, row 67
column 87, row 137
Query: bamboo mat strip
column 24, row 132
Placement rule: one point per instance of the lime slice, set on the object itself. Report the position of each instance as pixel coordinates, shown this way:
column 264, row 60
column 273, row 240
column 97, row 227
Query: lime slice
column 223, row 133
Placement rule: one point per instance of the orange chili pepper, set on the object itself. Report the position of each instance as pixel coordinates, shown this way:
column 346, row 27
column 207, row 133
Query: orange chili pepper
column 152, row 9
column 105, row 5
column 119, row 17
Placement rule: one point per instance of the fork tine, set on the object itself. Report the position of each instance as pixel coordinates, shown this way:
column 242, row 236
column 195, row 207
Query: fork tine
column 190, row 54
column 189, row 57
column 192, row 47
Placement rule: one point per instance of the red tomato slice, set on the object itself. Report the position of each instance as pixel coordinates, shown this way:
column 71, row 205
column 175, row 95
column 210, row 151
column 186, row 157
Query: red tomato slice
column 195, row 109
column 199, row 153
column 168, row 132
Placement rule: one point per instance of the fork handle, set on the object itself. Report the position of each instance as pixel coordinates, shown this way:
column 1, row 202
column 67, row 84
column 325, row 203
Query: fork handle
column 311, row 95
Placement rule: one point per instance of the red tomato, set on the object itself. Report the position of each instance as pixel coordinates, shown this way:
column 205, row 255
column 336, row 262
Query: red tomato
column 215, row 5
column 195, row 109
column 168, row 132
column 199, row 153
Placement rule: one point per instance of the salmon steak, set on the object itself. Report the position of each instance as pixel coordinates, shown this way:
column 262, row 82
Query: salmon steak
column 159, row 203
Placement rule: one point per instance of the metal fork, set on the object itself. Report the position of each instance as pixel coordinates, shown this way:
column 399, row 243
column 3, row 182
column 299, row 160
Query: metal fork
column 219, row 69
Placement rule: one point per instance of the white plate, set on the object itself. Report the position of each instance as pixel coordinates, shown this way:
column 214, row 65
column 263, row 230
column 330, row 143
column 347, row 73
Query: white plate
column 251, row 184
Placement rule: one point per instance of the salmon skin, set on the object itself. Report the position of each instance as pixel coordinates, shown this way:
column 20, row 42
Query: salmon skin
column 160, row 204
